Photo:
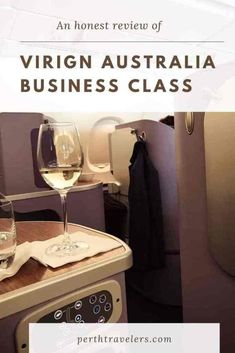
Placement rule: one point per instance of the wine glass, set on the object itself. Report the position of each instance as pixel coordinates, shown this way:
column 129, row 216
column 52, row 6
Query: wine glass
column 60, row 160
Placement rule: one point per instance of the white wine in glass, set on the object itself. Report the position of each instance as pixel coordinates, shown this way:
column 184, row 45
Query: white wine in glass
column 60, row 161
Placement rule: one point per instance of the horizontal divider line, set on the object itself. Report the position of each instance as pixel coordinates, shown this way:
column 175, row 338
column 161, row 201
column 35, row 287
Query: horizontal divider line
column 122, row 41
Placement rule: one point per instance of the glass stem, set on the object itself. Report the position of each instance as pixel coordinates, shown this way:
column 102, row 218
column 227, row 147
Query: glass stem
column 63, row 197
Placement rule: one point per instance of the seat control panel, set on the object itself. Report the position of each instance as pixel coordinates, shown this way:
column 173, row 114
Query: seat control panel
column 96, row 307
column 98, row 303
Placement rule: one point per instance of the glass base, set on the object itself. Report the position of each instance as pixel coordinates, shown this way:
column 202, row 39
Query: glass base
column 71, row 248
column 6, row 261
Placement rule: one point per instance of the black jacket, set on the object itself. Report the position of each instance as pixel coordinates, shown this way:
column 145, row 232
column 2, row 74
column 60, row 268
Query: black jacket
column 145, row 219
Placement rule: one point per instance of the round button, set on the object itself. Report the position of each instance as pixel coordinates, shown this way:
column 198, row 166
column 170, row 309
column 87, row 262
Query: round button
column 78, row 305
column 78, row 318
column 101, row 319
column 82, row 322
column 96, row 309
column 107, row 307
column 92, row 299
column 102, row 298
column 58, row 314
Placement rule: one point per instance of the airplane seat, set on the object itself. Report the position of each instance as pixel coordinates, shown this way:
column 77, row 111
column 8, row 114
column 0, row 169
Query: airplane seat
column 205, row 178
column 21, row 181
column 92, row 290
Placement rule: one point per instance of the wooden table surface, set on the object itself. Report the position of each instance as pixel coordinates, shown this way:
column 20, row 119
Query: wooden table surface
column 33, row 272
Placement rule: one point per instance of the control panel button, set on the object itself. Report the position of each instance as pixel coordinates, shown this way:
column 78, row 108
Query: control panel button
column 78, row 318
column 58, row 314
column 101, row 319
column 96, row 309
column 102, row 298
column 92, row 299
column 107, row 307
column 78, row 305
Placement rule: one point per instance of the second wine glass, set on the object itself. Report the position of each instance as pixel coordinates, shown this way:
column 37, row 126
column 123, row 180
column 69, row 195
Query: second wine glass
column 60, row 161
